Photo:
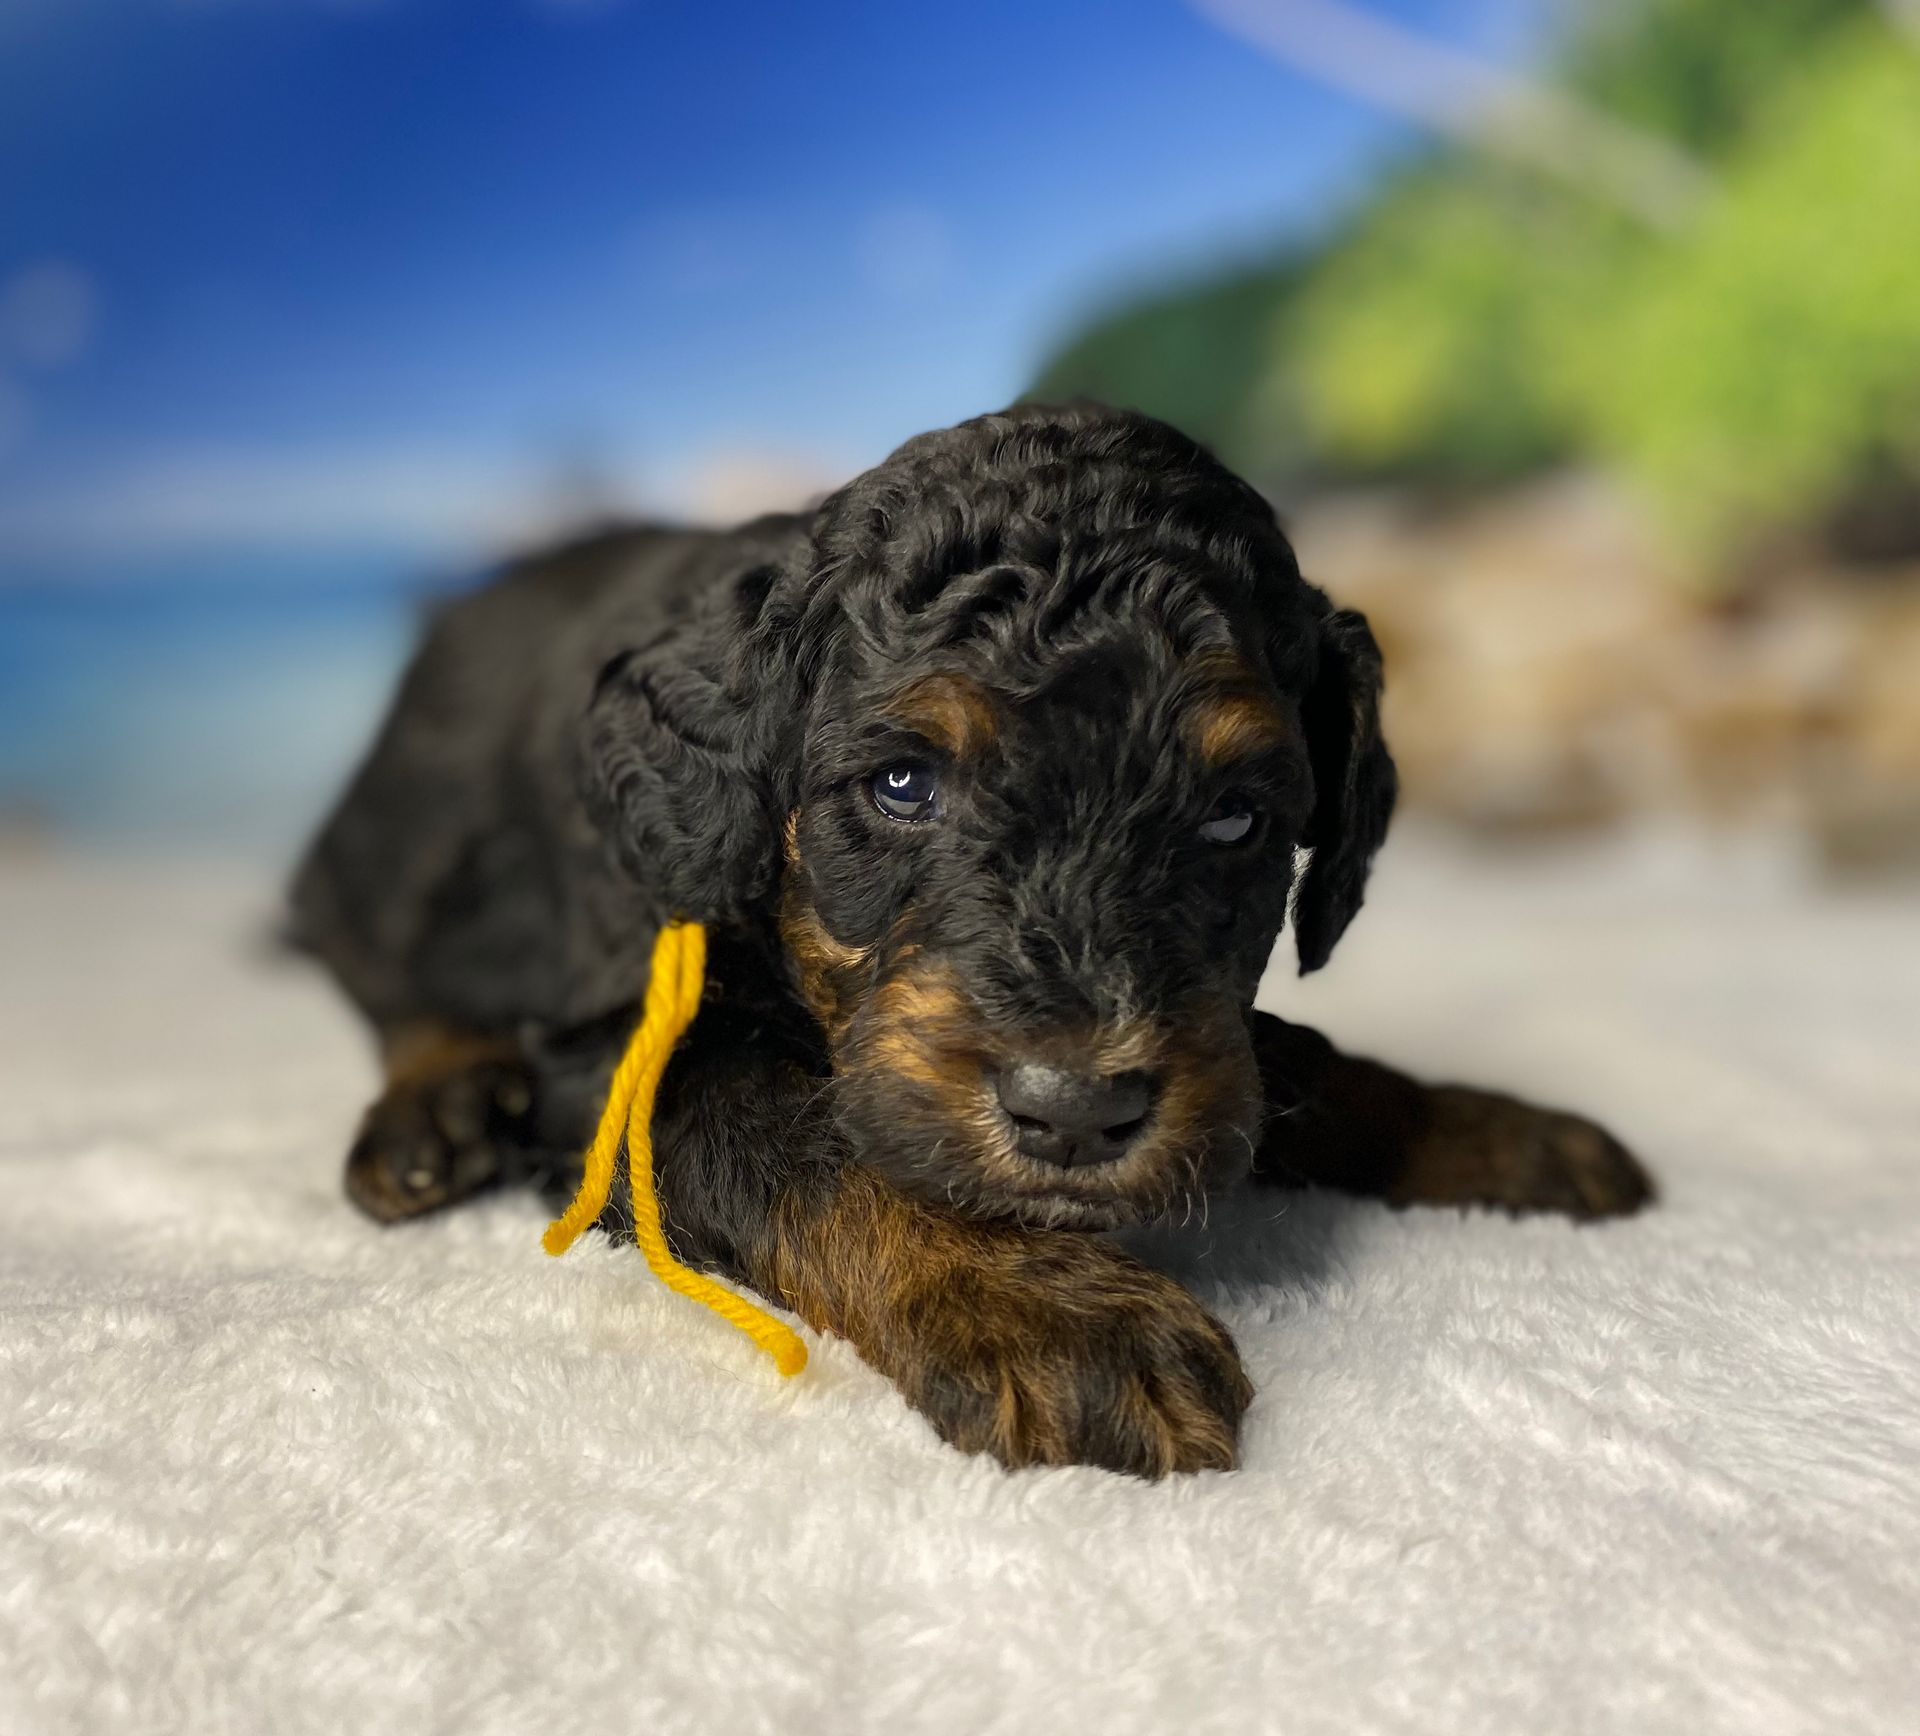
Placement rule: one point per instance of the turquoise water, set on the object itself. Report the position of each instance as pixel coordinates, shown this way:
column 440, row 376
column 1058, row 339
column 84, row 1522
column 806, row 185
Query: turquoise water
column 198, row 712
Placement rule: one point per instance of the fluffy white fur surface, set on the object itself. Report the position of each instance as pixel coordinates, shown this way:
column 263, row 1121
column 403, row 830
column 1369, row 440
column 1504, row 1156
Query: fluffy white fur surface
column 264, row 1467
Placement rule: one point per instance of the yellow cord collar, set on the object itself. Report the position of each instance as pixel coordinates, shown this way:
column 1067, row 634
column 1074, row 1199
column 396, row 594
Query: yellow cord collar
column 673, row 998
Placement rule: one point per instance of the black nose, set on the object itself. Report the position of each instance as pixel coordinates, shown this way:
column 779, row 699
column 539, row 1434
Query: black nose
column 1073, row 1119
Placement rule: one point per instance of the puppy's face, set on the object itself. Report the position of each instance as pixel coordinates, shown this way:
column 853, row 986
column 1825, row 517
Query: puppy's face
column 1028, row 895
column 1013, row 747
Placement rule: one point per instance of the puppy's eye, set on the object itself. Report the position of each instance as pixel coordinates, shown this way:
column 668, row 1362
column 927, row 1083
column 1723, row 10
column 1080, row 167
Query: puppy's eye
column 904, row 792
column 1231, row 822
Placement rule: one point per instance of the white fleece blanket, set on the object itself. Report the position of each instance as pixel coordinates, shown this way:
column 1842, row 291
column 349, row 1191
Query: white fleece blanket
column 266, row 1468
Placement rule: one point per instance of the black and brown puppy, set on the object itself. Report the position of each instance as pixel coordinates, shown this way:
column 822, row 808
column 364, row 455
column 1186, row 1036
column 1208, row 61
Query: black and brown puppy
column 992, row 777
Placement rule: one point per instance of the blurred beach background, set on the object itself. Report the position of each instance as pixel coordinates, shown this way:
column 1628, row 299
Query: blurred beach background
column 1579, row 343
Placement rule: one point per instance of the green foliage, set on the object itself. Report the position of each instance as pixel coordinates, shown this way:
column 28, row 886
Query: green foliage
column 1471, row 322
column 1769, row 366
column 1429, row 342
column 1189, row 355
column 1698, row 71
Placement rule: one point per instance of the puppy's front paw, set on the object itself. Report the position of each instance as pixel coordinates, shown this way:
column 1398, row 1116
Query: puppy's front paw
column 433, row 1140
column 1081, row 1357
column 1480, row 1148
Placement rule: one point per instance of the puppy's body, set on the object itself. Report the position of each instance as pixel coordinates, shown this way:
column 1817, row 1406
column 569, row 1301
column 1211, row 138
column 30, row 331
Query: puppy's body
column 989, row 779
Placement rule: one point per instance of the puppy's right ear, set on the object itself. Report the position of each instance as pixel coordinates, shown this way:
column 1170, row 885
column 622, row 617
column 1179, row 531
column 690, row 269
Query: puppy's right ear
column 692, row 753
column 1355, row 785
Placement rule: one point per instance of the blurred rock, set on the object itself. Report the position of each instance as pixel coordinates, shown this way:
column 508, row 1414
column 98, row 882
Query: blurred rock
column 1549, row 669
column 26, row 832
column 1865, row 783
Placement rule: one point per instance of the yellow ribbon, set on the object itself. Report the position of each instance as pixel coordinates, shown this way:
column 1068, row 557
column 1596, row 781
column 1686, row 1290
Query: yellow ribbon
column 673, row 997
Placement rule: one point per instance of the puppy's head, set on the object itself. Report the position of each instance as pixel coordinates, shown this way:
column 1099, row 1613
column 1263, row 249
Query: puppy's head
column 1017, row 754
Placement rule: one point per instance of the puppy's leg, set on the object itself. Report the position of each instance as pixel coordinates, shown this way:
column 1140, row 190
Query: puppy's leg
column 1041, row 1348
column 1038, row 1347
column 456, row 1114
column 1340, row 1122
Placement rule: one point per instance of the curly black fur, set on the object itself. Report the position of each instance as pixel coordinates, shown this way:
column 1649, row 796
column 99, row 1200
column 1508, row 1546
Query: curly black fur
column 1096, row 637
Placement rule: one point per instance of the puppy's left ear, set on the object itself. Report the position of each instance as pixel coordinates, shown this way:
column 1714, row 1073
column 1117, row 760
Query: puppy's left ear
column 1354, row 785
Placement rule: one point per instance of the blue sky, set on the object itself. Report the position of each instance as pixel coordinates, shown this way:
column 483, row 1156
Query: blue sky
column 355, row 273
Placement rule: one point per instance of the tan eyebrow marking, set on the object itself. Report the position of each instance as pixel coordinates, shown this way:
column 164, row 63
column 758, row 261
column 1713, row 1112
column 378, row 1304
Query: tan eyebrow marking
column 953, row 712
column 1237, row 717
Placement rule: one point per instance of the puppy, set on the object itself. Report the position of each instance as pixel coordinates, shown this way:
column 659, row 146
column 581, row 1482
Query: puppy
column 996, row 779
